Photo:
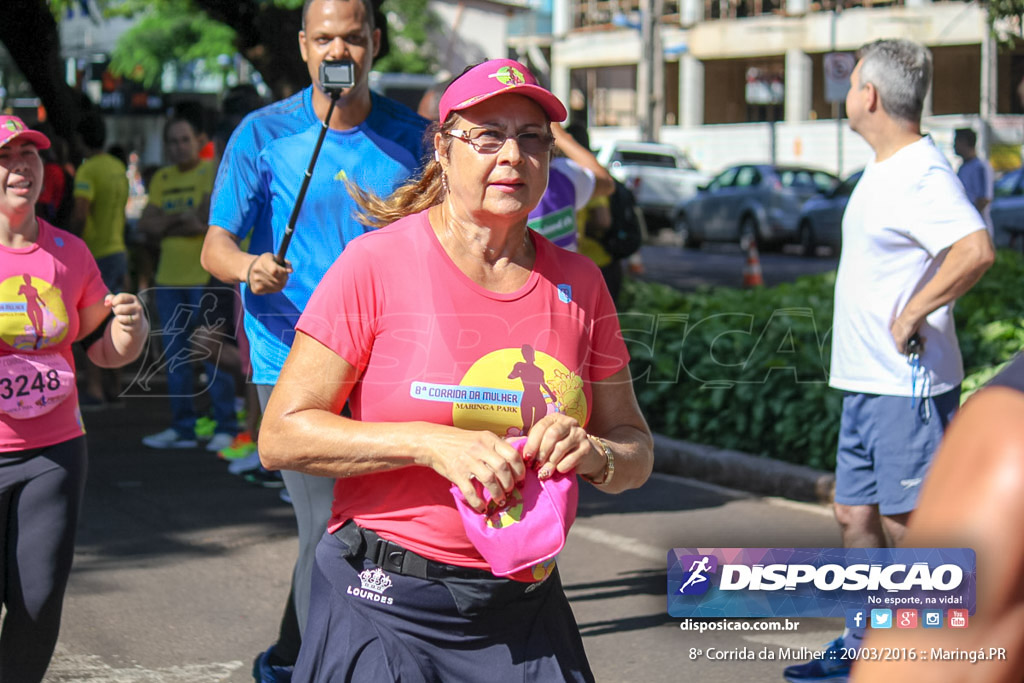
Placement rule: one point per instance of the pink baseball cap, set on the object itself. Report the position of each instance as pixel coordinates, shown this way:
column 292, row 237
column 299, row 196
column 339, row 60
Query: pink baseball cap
column 529, row 529
column 12, row 127
column 498, row 77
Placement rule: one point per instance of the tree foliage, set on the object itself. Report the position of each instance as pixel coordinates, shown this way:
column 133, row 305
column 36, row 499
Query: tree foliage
column 412, row 27
column 1006, row 20
column 170, row 33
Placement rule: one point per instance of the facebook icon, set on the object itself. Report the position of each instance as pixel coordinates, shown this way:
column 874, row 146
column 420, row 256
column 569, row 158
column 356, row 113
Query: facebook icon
column 855, row 618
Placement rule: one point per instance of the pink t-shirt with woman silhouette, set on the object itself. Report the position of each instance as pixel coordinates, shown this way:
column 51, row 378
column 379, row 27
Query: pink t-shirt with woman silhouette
column 433, row 346
column 42, row 289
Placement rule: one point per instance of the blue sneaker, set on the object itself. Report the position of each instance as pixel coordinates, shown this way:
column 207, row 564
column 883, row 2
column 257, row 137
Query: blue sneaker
column 265, row 672
column 832, row 667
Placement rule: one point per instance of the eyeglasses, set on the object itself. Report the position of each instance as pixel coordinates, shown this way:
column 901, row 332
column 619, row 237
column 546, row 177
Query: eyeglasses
column 490, row 141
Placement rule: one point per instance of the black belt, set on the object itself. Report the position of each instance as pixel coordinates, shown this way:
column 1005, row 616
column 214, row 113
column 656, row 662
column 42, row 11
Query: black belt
column 392, row 557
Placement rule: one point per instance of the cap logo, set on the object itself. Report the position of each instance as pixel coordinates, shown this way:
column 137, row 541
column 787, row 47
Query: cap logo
column 509, row 76
column 13, row 125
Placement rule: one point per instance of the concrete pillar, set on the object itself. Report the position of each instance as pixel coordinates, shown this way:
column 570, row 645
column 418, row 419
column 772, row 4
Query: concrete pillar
column 799, row 73
column 795, row 8
column 561, row 17
column 691, row 12
column 560, row 81
column 691, row 91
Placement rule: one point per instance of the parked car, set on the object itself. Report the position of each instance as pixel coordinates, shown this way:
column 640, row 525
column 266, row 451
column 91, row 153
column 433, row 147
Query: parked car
column 658, row 174
column 757, row 200
column 821, row 219
column 1008, row 208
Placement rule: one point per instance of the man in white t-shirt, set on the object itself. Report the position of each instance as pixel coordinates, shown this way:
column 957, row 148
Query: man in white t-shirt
column 912, row 244
column 976, row 175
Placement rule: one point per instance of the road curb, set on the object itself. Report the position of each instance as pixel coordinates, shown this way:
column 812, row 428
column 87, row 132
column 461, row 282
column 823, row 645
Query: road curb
column 742, row 471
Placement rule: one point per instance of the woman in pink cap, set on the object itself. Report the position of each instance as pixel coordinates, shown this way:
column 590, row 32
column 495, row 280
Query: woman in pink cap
column 419, row 326
column 51, row 295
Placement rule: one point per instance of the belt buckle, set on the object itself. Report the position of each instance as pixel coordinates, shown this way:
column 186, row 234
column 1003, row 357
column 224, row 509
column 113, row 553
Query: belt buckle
column 392, row 557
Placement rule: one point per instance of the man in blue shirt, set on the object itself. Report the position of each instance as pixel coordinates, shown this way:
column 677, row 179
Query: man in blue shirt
column 976, row 174
column 373, row 142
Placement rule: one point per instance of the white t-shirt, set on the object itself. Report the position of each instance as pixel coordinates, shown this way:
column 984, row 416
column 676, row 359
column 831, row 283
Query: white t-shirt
column 903, row 215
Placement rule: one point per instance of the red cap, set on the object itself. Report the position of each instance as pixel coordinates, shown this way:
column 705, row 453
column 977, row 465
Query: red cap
column 498, row 77
column 12, row 127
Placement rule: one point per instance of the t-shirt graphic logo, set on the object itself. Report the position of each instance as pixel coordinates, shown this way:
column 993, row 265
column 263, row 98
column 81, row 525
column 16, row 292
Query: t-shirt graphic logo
column 696, row 579
column 510, row 76
column 565, row 294
column 32, row 313
column 533, row 405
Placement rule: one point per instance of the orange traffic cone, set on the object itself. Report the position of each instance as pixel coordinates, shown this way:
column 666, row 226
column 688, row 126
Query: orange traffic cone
column 752, row 270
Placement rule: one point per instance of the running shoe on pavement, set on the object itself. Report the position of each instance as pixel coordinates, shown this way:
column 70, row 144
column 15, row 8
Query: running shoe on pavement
column 246, row 464
column 169, row 438
column 268, row 479
column 241, row 446
column 219, row 442
column 832, row 667
column 205, row 427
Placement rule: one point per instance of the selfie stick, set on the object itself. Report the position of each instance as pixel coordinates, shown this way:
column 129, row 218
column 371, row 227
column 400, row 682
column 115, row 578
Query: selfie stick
column 305, row 182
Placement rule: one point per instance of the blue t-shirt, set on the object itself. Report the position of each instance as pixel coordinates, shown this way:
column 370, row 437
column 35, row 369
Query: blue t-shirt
column 259, row 179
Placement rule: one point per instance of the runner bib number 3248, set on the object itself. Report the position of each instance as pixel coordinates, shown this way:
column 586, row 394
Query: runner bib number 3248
column 34, row 384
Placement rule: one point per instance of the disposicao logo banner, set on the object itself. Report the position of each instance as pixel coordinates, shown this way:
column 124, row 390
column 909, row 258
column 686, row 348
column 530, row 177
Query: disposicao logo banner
column 817, row 582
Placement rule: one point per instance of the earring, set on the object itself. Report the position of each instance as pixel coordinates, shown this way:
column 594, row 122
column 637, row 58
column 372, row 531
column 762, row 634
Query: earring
column 437, row 157
column 444, row 181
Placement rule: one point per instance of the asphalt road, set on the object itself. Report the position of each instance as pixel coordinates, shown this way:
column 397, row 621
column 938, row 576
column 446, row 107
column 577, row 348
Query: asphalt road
column 182, row 569
column 722, row 264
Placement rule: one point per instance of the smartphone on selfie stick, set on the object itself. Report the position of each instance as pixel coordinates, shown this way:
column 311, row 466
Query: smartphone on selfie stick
column 335, row 76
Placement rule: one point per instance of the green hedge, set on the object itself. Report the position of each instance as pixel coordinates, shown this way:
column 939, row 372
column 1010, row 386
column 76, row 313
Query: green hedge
column 748, row 369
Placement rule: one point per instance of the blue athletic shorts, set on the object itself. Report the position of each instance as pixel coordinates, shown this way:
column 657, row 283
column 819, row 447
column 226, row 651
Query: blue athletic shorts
column 367, row 624
column 885, row 446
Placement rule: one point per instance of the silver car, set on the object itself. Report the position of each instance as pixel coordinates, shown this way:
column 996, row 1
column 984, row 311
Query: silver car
column 1007, row 208
column 821, row 219
column 756, row 200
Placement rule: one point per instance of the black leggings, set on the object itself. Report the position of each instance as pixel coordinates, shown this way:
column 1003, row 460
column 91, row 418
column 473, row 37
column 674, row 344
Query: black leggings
column 40, row 499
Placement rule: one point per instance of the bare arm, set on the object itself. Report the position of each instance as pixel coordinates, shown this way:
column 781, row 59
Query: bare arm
column 154, row 222
column 79, row 215
column 303, row 431
column 125, row 335
column 973, row 497
column 966, row 262
column 604, row 184
column 192, row 222
column 225, row 260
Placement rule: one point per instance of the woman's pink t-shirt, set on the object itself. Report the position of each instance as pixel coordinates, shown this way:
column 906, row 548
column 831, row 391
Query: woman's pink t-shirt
column 42, row 289
column 431, row 345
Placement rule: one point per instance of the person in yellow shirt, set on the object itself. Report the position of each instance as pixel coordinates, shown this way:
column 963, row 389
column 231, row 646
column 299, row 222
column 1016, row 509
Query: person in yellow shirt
column 101, row 193
column 177, row 213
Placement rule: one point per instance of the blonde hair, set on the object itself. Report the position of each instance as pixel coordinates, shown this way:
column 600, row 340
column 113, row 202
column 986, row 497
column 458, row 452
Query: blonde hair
column 417, row 194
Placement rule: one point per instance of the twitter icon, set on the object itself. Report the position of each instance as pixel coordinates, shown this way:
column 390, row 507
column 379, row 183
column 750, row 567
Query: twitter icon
column 881, row 618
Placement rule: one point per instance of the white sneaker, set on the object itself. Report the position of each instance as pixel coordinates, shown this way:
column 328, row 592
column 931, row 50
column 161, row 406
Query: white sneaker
column 246, row 464
column 168, row 438
column 219, row 442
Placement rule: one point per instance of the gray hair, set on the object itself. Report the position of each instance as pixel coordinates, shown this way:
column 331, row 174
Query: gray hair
column 901, row 71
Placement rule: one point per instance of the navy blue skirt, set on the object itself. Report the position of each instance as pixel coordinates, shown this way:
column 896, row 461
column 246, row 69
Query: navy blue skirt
column 367, row 624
